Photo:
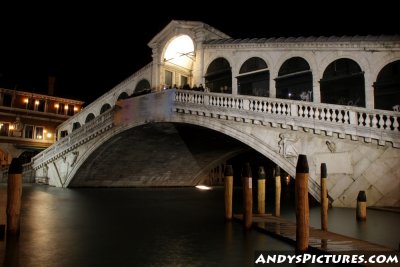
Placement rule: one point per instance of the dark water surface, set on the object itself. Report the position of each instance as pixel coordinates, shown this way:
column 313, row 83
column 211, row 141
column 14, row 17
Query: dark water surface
column 155, row 227
column 133, row 227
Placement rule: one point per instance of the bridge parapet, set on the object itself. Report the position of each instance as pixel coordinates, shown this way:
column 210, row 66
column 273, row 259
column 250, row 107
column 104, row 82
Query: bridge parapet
column 381, row 126
column 78, row 137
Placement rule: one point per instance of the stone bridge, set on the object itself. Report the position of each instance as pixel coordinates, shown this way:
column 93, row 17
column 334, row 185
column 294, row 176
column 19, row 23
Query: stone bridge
column 334, row 99
column 359, row 146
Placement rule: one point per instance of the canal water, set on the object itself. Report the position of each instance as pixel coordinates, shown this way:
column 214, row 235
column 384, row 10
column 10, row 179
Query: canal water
column 154, row 227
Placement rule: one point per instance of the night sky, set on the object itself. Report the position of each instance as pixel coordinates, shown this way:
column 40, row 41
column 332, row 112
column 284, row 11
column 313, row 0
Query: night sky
column 90, row 49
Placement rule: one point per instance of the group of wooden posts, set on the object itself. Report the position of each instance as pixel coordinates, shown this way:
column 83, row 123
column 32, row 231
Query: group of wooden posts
column 14, row 195
column 301, row 198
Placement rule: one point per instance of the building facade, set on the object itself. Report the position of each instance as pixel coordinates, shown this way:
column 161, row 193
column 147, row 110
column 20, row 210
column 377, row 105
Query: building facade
column 28, row 123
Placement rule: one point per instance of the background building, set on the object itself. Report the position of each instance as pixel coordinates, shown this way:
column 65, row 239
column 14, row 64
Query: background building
column 28, row 123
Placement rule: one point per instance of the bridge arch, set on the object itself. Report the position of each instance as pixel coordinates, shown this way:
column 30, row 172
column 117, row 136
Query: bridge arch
column 253, row 78
column 295, row 80
column 123, row 95
column 177, row 60
column 76, row 125
column 173, row 36
column 219, row 76
column 142, row 85
column 343, row 83
column 89, row 117
column 380, row 63
column 387, row 87
column 231, row 131
column 104, row 108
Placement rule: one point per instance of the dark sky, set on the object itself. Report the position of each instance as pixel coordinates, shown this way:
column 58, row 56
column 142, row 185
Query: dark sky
column 92, row 48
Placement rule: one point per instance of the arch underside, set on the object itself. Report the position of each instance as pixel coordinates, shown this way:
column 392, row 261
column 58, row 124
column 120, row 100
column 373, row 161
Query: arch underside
column 167, row 154
column 157, row 154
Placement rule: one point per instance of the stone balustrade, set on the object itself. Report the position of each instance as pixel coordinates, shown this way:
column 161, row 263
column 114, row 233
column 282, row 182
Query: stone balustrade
column 78, row 137
column 379, row 125
column 354, row 122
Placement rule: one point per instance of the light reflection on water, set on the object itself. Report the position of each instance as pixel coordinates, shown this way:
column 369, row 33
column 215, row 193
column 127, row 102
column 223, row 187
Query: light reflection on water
column 133, row 227
column 155, row 227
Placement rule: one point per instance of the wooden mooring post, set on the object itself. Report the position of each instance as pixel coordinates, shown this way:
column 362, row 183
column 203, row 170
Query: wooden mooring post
column 277, row 191
column 302, row 208
column 228, row 173
column 247, row 196
column 261, row 191
column 14, row 195
column 324, row 198
column 361, row 212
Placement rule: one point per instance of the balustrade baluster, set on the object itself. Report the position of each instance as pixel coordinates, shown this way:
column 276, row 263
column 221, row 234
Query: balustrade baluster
column 340, row 117
column 346, row 117
column 306, row 111
column 381, row 122
column 317, row 114
column 367, row 120
column 374, row 121
column 388, row 123
column 269, row 107
column 279, row 108
column 323, row 114
column 301, row 112
column 328, row 114
column 396, row 124
column 311, row 113
column 334, row 115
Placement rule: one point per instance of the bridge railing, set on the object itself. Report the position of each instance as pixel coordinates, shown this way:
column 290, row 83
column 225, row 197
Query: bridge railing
column 357, row 122
column 81, row 135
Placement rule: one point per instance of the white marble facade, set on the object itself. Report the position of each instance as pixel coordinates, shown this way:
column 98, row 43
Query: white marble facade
column 355, row 160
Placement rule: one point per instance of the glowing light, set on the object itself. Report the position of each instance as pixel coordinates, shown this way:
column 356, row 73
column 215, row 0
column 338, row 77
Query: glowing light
column 75, row 108
column 66, row 107
column 44, row 131
column 26, row 100
column 287, row 180
column 37, row 102
column 39, row 137
column 11, row 127
column 203, row 187
column 180, row 52
column 56, row 105
column 49, row 135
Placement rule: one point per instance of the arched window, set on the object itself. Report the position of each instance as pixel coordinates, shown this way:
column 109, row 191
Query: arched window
column 142, row 85
column 253, row 78
column 294, row 80
column 104, row 108
column 75, row 126
column 123, row 95
column 343, row 83
column 89, row 117
column 180, row 52
column 387, row 87
column 219, row 76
